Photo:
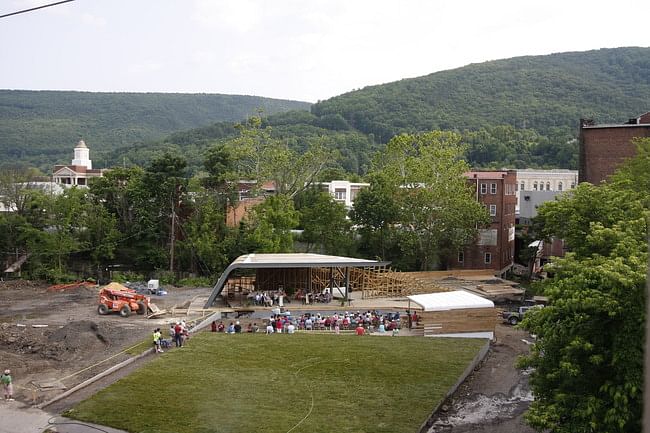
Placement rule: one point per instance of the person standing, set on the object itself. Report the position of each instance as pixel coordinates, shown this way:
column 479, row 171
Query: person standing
column 178, row 335
column 213, row 326
column 7, row 385
column 156, row 340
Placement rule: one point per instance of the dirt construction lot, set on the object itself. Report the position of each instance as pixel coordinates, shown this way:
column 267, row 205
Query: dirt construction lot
column 43, row 359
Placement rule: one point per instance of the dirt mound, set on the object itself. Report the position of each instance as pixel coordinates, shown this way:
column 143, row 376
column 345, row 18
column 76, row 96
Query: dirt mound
column 21, row 285
column 27, row 341
column 74, row 340
column 83, row 335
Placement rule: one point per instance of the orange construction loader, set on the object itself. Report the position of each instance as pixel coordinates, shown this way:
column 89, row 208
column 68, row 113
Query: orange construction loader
column 122, row 301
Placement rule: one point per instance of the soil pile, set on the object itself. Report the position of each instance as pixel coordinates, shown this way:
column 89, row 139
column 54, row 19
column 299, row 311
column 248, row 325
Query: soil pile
column 82, row 336
column 74, row 340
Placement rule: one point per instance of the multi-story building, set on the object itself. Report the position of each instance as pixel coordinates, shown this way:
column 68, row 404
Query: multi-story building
column 603, row 148
column 80, row 171
column 530, row 181
column 344, row 191
column 495, row 247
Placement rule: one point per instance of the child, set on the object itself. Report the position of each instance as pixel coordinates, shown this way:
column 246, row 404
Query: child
column 7, row 385
column 156, row 340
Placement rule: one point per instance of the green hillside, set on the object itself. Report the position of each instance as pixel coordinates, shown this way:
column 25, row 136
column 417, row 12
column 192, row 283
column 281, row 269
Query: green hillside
column 520, row 112
column 41, row 127
column 538, row 92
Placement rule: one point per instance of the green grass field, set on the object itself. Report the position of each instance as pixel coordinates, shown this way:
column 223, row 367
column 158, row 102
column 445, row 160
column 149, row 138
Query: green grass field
column 284, row 383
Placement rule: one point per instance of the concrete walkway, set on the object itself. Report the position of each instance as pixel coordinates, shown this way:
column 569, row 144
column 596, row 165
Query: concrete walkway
column 15, row 417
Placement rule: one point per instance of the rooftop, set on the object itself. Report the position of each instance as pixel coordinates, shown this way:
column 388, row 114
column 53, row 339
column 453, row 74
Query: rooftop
column 455, row 300
column 299, row 260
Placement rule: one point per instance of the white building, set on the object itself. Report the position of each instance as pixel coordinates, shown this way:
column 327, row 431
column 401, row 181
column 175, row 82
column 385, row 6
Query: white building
column 344, row 191
column 544, row 180
column 79, row 171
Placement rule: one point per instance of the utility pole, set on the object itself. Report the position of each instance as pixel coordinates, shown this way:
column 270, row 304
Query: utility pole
column 173, row 236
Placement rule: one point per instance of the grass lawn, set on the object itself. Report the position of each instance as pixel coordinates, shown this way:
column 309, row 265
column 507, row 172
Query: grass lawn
column 284, row 383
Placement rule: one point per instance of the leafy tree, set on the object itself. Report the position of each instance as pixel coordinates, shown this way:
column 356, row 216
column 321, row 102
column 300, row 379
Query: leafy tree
column 204, row 248
column 438, row 213
column 324, row 223
column 588, row 356
column 260, row 157
column 269, row 225
column 375, row 213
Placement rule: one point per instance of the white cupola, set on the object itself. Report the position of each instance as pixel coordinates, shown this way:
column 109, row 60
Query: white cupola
column 82, row 155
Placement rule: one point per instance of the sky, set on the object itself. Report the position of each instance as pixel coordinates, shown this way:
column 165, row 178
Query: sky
column 306, row 50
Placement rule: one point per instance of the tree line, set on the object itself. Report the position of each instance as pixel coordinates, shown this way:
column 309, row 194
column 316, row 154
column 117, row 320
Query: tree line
column 158, row 219
column 587, row 361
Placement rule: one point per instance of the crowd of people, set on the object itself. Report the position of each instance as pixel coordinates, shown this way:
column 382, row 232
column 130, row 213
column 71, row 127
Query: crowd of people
column 178, row 334
column 279, row 297
column 361, row 323
column 268, row 298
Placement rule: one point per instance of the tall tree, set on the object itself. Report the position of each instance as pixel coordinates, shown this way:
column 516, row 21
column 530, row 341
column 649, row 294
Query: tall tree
column 270, row 224
column 375, row 213
column 259, row 156
column 324, row 223
column 588, row 357
column 438, row 213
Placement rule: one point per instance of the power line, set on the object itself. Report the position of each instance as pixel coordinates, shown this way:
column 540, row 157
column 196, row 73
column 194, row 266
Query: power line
column 36, row 8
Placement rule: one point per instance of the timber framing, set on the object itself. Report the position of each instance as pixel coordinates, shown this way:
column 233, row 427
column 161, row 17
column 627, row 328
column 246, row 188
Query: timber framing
column 294, row 271
column 314, row 273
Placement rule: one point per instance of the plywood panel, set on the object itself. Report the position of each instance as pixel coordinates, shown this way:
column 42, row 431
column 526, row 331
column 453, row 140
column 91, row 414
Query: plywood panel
column 466, row 320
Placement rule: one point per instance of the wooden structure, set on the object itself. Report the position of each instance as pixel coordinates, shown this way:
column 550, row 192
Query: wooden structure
column 291, row 272
column 372, row 281
column 381, row 282
column 454, row 314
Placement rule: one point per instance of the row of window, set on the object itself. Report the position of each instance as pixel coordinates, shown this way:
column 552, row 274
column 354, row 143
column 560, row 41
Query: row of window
column 487, row 257
column 539, row 186
column 484, row 188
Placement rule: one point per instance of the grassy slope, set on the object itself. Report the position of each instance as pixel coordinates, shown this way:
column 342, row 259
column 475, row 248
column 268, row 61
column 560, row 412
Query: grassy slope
column 255, row 382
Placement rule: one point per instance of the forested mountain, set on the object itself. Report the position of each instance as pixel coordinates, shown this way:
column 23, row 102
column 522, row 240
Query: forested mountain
column 538, row 92
column 520, row 112
column 41, row 127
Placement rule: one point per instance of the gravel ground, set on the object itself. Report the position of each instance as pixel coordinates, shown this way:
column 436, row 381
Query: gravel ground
column 494, row 398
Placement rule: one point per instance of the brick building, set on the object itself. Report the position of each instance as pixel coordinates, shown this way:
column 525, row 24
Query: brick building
column 495, row 246
column 604, row 147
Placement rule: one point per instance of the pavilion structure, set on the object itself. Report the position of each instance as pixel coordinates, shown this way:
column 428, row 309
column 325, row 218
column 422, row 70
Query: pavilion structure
column 316, row 273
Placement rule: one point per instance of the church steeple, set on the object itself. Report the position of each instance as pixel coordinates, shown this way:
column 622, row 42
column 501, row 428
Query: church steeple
column 82, row 155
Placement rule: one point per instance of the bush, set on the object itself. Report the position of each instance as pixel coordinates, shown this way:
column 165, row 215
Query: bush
column 196, row 282
column 123, row 277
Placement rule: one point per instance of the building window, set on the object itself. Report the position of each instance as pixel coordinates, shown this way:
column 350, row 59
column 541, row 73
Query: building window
column 534, row 186
column 493, row 188
column 493, row 210
column 461, row 257
column 488, row 258
column 339, row 194
column 573, row 185
column 548, row 186
column 516, row 187
column 559, row 186
column 523, row 186
column 484, row 188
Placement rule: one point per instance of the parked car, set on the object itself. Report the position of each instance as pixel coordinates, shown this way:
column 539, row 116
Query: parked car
column 514, row 317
